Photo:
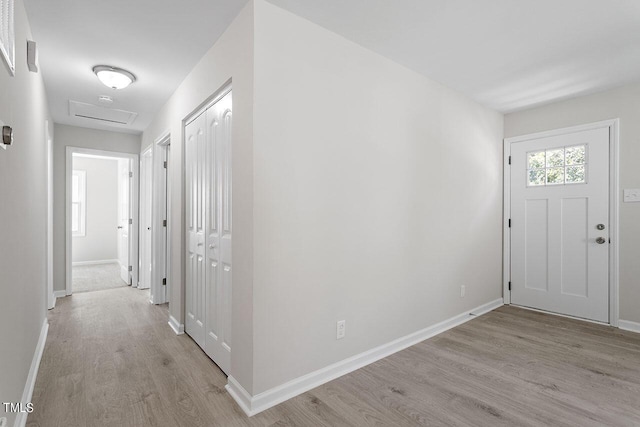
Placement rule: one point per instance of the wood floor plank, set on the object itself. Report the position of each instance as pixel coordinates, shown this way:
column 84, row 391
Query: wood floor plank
column 112, row 360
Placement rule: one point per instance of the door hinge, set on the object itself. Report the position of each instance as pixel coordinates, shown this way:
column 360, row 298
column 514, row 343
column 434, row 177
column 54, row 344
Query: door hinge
column 509, row 222
column 130, row 268
column 164, row 281
column 509, row 159
column 130, row 174
column 509, row 285
column 165, row 164
column 130, row 221
column 164, row 222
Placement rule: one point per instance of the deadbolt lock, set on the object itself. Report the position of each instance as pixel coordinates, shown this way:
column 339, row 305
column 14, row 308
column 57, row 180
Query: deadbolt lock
column 600, row 226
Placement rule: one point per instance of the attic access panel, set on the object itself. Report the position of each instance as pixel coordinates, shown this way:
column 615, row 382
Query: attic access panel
column 94, row 112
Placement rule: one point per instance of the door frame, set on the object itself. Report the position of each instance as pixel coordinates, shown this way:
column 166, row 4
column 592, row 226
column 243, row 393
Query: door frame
column 51, row 299
column 614, row 197
column 160, row 198
column 133, row 203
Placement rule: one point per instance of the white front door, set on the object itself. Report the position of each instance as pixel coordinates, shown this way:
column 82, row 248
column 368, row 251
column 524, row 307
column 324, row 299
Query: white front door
column 560, row 224
column 208, row 216
column 123, row 219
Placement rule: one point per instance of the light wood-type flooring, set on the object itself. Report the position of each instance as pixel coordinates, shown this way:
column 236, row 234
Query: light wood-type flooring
column 112, row 360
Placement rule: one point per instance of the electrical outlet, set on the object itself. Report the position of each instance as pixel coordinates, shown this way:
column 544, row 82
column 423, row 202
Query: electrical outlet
column 3, row 422
column 463, row 291
column 340, row 329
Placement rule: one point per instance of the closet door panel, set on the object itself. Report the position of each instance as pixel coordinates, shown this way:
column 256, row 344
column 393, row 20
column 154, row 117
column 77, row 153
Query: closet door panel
column 195, row 145
column 218, row 345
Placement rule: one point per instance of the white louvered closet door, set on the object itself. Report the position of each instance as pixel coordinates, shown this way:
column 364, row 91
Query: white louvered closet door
column 209, row 250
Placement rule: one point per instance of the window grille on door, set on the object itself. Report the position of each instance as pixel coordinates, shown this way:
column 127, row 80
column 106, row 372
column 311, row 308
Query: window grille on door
column 557, row 166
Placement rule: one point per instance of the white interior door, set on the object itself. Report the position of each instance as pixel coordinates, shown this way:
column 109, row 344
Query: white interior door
column 146, row 188
column 208, row 188
column 159, row 221
column 560, row 224
column 195, row 144
column 218, row 245
column 124, row 228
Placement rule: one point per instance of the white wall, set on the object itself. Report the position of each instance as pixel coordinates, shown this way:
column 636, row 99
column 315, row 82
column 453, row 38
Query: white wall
column 622, row 103
column 100, row 241
column 85, row 138
column 377, row 194
column 364, row 192
column 23, row 214
column 230, row 58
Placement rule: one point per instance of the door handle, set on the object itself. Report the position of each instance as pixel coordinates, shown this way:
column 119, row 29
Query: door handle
column 119, row 227
column 600, row 240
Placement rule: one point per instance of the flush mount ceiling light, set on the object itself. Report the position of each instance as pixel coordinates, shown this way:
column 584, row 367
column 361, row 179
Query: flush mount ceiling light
column 113, row 77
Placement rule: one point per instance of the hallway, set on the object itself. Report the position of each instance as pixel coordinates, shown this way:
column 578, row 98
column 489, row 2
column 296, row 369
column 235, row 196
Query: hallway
column 89, row 278
column 112, row 360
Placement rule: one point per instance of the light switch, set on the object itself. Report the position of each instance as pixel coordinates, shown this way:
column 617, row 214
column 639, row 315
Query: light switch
column 631, row 195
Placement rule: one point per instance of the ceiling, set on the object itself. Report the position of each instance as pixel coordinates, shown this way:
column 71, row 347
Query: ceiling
column 508, row 55
column 159, row 41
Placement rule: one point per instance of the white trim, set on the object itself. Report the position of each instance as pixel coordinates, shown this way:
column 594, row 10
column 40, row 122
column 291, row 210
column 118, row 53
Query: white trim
column 241, row 396
column 614, row 200
column 159, row 212
column 627, row 325
column 164, row 139
column 252, row 405
column 21, row 419
column 506, row 230
column 97, row 262
column 82, row 215
column 614, row 222
column 177, row 327
column 133, row 196
column 209, row 102
column 56, row 295
column 51, row 299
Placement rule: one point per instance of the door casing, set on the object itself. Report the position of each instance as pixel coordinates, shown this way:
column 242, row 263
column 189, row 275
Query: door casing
column 160, row 211
column 133, row 200
column 613, row 126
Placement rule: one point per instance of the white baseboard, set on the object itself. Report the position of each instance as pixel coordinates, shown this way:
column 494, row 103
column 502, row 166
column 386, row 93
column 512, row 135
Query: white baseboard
column 56, row 295
column 241, row 396
column 21, row 419
column 252, row 405
column 628, row 325
column 97, row 262
column 177, row 327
